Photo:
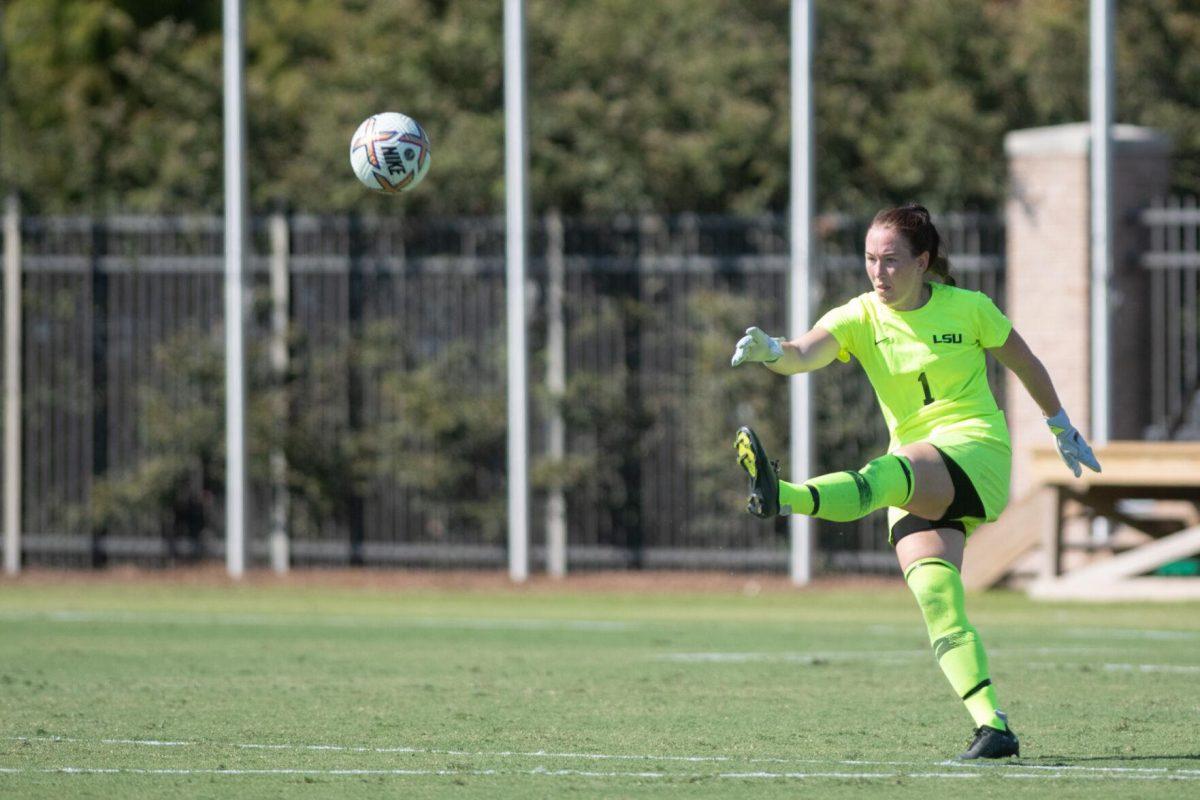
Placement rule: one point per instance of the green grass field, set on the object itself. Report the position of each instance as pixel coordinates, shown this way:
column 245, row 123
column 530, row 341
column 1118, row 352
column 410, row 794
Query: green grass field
column 144, row 689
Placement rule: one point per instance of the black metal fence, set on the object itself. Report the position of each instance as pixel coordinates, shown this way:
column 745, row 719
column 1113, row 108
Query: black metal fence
column 1172, row 258
column 391, row 409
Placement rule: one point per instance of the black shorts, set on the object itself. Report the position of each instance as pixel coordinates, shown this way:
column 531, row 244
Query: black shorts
column 966, row 503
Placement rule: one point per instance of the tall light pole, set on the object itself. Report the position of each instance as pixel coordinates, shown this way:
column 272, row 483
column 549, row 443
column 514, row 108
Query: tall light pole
column 1101, row 97
column 235, row 238
column 516, row 198
column 803, row 22
column 12, row 386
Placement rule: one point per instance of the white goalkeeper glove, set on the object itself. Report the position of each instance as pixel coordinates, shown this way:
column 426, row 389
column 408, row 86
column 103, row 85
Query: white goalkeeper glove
column 1071, row 445
column 756, row 346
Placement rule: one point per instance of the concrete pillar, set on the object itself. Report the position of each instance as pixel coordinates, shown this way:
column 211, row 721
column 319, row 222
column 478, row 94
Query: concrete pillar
column 1048, row 275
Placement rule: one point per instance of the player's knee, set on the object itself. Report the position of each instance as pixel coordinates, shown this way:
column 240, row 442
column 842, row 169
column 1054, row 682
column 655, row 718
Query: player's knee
column 889, row 478
column 934, row 592
column 935, row 603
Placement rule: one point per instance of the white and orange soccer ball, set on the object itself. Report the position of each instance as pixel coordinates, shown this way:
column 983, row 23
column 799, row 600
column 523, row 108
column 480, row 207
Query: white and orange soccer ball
column 390, row 152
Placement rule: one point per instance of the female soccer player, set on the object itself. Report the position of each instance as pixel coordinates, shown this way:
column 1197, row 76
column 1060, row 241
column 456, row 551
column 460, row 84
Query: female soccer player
column 921, row 343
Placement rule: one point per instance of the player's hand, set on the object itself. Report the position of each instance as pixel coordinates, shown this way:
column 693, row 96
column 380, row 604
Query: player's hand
column 756, row 346
column 1071, row 444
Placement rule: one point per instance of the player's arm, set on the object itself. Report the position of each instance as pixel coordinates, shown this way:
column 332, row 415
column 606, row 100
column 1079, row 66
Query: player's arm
column 1016, row 356
column 806, row 353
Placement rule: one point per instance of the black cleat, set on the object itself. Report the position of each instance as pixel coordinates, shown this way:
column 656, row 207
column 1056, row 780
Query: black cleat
column 764, row 480
column 992, row 743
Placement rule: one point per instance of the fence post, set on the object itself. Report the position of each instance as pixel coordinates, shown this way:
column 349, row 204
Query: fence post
column 556, row 387
column 98, row 281
column 355, row 410
column 12, row 386
column 280, row 247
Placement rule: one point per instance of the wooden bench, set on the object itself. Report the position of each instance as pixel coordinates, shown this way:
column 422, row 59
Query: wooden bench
column 1158, row 471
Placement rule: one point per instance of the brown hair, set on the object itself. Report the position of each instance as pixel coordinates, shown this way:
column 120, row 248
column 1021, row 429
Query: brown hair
column 913, row 222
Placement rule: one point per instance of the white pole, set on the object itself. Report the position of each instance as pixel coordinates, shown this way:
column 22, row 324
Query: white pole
column 235, row 237
column 1101, row 221
column 516, row 203
column 12, row 386
column 556, row 388
column 1101, row 101
column 800, row 226
column 279, row 545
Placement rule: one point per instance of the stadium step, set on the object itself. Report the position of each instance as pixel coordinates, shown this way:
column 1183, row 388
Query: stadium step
column 995, row 548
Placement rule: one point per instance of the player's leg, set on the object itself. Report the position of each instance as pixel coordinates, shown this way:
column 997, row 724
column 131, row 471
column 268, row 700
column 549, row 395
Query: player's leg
column 930, row 556
column 935, row 491
column 913, row 477
column 933, row 484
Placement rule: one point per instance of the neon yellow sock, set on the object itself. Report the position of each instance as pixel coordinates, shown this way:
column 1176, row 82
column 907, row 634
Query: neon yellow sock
column 850, row 495
column 938, row 588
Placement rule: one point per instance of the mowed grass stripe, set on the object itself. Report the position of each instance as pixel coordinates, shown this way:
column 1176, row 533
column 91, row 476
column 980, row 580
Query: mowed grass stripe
column 77, row 616
column 575, row 694
column 506, row 754
column 1000, row 772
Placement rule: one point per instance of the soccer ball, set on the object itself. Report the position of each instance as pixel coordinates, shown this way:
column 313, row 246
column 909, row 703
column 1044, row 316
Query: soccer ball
column 390, row 152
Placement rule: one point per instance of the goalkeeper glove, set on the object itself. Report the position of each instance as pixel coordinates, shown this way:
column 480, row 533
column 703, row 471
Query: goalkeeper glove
column 1071, row 445
column 756, row 346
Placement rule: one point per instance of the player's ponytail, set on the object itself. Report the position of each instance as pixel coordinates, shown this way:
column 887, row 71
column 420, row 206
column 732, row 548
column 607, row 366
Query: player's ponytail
column 940, row 268
column 914, row 222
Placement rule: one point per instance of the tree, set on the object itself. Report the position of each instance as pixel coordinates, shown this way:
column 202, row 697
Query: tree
column 667, row 106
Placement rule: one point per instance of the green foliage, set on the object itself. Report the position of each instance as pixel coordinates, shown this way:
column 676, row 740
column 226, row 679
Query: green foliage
column 606, row 435
column 180, row 431
column 181, row 436
column 671, row 106
column 606, row 408
column 373, row 408
column 1158, row 60
column 713, row 401
column 442, row 431
column 316, row 69
column 427, row 434
column 912, row 100
column 306, row 417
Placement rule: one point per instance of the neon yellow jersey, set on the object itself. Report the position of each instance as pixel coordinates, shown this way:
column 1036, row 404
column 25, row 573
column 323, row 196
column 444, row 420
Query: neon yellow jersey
column 927, row 365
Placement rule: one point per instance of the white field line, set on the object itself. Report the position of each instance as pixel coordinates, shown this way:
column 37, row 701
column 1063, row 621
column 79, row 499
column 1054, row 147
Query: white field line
column 347, row 620
column 357, row 621
column 1077, row 632
column 430, row 772
column 791, row 657
column 1131, row 633
column 1188, row 668
column 283, row 620
column 878, row 656
column 1048, row 650
column 336, row 748
column 1184, row 669
column 958, row 766
column 1000, row 772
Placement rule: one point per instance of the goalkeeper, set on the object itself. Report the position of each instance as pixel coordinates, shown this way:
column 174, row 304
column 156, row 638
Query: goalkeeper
column 921, row 342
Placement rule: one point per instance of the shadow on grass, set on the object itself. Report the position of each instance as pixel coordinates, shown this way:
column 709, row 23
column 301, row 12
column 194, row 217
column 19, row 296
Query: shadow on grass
column 1045, row 761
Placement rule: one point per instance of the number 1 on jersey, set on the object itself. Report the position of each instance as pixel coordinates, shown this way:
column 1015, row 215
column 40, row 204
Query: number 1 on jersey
column 925, row 385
